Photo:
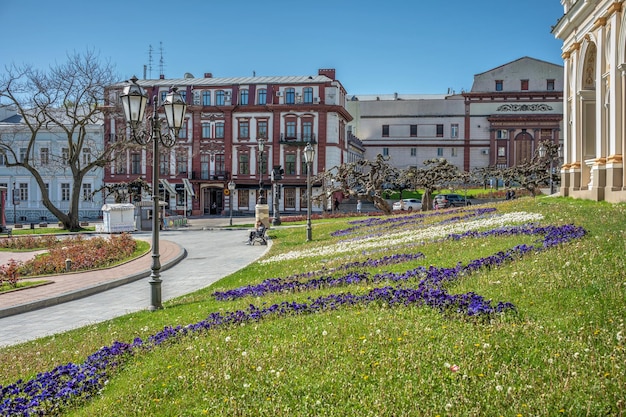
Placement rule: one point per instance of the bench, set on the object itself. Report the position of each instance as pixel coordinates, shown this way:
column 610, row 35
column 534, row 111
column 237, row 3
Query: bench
column 6, row 231
column 259, row 236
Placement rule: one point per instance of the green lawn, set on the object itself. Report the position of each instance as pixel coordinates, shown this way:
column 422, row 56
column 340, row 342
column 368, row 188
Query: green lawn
column 560, row 352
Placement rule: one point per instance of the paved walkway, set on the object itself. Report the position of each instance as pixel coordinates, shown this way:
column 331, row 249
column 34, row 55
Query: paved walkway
column 191, row 258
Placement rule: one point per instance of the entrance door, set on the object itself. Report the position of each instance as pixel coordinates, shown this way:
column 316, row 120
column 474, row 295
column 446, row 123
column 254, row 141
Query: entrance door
column 213, row 199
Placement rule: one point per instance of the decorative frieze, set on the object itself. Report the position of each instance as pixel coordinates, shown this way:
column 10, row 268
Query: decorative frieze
column 525, row 107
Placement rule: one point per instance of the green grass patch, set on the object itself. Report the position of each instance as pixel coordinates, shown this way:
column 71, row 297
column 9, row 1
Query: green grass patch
column 560, row 353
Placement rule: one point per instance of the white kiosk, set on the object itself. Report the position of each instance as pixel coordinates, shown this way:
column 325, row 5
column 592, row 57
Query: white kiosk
column 117, row 218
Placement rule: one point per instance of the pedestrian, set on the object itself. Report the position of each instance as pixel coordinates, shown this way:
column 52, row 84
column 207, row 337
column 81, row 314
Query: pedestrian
column 259, row 230
column 359, row 206
column 336, row 204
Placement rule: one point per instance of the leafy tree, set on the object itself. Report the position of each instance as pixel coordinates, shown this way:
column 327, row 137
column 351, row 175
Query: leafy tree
column 64, row 100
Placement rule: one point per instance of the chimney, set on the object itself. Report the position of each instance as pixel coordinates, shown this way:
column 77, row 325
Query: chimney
column 208, row 75
column 162, row 76
column 329, row 72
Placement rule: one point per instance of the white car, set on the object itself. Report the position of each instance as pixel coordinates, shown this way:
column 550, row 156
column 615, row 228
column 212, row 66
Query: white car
column 407, row 204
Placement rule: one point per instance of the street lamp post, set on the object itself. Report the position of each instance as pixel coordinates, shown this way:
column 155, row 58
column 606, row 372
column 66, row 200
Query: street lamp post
column 545, row 152
column 260, row 173
column 309, row 155
column 134, row 101
column 231, row 188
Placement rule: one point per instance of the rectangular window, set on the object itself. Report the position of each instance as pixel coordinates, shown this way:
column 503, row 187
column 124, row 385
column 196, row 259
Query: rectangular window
column 65, row 155
column 290, row 129
column 385, row 131
column 502, row 134
column 44, row 155
column 23, row 191
column 501, row 151
column 290, row 164
column 65, row 191
column 413, row 151
column 135, row 163
column 86, row 156
column 87, row 196
column 204, row 166
column 413, row 131
column 182, row 133
column 524, row 85
column 243, row 97
column 307, row 131
column 290, row 197
column 290, row 96
column 164, row 164
column 244, row 129
column 261, row 129
column 453, row 152
column 439, row 131
column 206, row 98
column 244, row 164
column 243, row 198
column 220, row 164
column 219, row 98
column 206, row 130
column 385, row 151
column 454, row 130
column 262, row 96
column 499, row 85
column 439, row 151
column 550, row 85
column 219, row 130
column 308, row 95
column 120, row 163
column 22, row 154
column 181, row 162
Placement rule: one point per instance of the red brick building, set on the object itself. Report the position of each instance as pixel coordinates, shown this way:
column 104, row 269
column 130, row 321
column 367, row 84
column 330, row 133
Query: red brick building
column 227, row 118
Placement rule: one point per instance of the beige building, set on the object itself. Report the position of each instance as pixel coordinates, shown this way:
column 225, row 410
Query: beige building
column 499, row 122
column 594, row 53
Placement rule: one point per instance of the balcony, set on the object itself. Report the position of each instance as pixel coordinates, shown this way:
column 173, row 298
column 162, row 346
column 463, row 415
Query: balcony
column 297, row 140
column 210, row 175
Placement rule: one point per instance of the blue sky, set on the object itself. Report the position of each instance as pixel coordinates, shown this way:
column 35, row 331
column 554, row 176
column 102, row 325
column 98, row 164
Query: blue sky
column 376, row 47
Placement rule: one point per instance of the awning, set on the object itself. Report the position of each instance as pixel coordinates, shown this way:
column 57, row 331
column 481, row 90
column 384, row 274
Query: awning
column 188, row 187
column 168, row 186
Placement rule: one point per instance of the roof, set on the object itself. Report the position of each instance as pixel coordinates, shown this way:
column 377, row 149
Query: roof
column 517, row 60
column 198, row 82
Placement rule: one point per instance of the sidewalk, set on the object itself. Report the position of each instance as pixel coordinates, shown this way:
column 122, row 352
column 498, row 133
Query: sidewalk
column 192, row 258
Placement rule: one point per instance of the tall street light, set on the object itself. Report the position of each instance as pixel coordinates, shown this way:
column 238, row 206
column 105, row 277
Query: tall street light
column 231, row 188
column 260, row 158
column 309, row 155
column 134, row 101
column 543, row 152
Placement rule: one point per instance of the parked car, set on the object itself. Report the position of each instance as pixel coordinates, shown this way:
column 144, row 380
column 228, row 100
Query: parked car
column 450, row 200
column 408, row 204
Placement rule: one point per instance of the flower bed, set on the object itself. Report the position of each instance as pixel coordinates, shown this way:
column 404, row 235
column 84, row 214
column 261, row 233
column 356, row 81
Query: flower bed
column 423, row 286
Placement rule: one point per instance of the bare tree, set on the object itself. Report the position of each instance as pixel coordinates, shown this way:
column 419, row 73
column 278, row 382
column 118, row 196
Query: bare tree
column 126, row 191
column 64, row 101
column 365, row 179
column 437, row 173
column 537, row 172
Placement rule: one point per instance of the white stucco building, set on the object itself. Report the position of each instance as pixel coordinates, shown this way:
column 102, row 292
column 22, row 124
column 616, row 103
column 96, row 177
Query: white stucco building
column 594, row 53
column 49, row 153
column 500, row 121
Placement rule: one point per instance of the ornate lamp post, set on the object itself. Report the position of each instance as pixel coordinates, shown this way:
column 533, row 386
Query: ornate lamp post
column 134, row 101
column 260, row 158
column 231, row 188
column 543, row 152
column 309, row 155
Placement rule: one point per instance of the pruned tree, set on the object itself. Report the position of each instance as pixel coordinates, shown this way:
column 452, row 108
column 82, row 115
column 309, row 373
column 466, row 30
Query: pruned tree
column 64, row 101
column 436, row 174
column 364, row 179
column 128, row 192
column 537, row 172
